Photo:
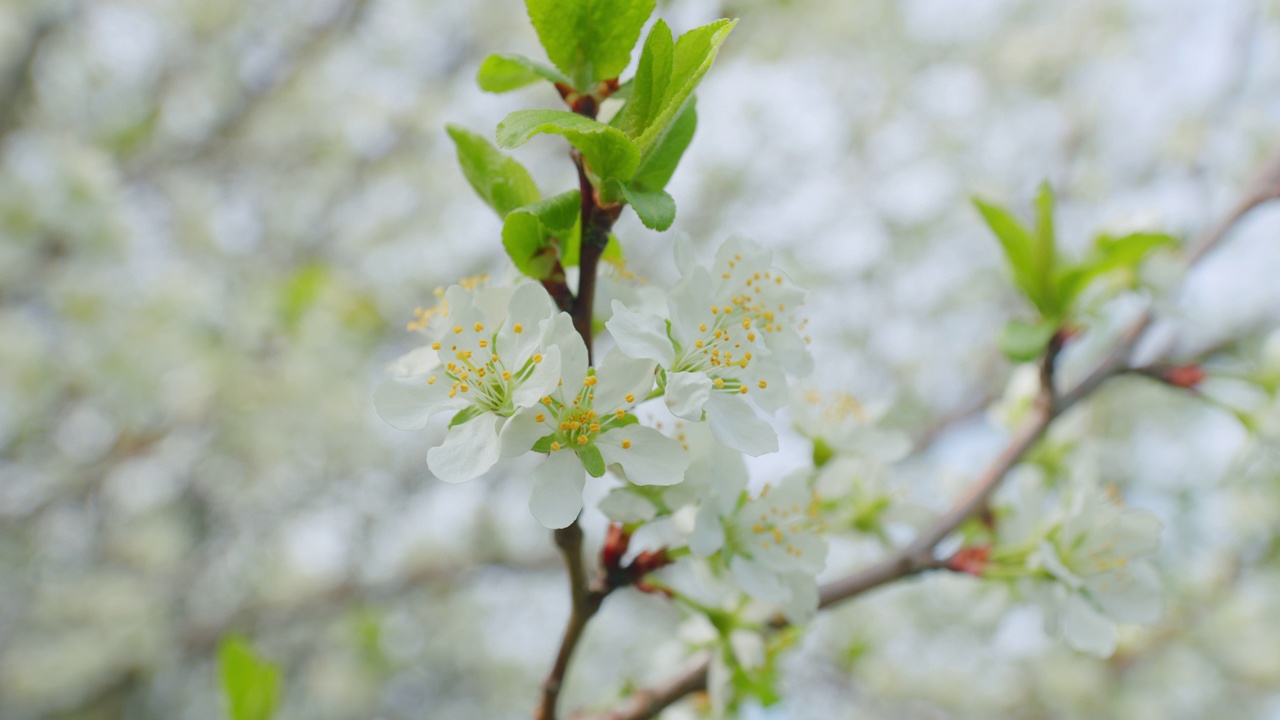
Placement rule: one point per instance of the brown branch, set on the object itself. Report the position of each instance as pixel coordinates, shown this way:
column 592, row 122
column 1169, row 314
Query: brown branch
column 918, row 556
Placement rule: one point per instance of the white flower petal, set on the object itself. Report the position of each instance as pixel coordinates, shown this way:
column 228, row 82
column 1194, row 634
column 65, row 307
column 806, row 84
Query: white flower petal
column 774, row 394
column 1137, row 533
column 559, row 332
column 686, row 394
column 622, row 505
column 1084, row 628
column 419, row 361
column 529, row 306
column 736, row 426
column 790, row 350
column 520, row 432
column 758, row 581
column 468, row 450
column 708, row 531
column 620, row 377
column 651, row 458
column 802, row 606
column 407, row 403
column 748, row 648
column 557, row 490
column 1130, row 594
column 689, row 302
column 640, row 336
column 543, row 381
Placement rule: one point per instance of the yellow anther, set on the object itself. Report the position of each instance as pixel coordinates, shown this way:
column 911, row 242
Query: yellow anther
column 631, row 397
column 746, row 356
column 484, row 343
column 696, row 343
column 431, row 380
column 591, row 414
column 626, row 444
column 594, row 427
column 589, row 381
column 719, row 383
column 751, row 337
column 582, row 439
column 725, row 276
column 457, row 329
column 463, row 387
column 506, row 374
column 714, row 310
column 763, row 384
column 746, row 323
column 546, row 400
column 479, row 327
column 537, row 357
column 620, row 414
column 757, row 528
column 564, row 426
column 555, row 446
column 435, row 345
column 517, row 328
column 539, row 418
column 453, row 393
column 777, row 536
column 575, row 425
column 742, row 389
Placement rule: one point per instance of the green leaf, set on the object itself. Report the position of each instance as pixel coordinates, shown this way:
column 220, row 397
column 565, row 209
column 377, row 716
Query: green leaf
column 624, row 421
column 251, row 684
column 656, row 209
column 470, row 412
column 651, row 81
column 590, row 40
column 1022, row 341
column 691, row 59
column 1045, row 249
column 544, row 444
column 592, row 460
column 503, row 73
column 1020, row 250
column 536, row 236
column 609, row 153
column 657, row 168
column 499, row 180
column 1110, row 254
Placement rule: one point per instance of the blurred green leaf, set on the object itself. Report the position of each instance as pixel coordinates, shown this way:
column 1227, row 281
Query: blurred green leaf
column 589, row 40
column 466, row 414
column 609, row 153
column 1024, row 251
column 1110, row 254
column 251, row 684
column 543, row 445
column 503, row 73
column 536, row 236
column 301, row 290
column 1022, row 341
column 499, row 180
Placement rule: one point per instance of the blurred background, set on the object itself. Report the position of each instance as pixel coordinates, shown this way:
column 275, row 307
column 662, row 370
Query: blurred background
column 217, row 217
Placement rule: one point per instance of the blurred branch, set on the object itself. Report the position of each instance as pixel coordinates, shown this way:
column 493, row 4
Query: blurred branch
column 15, row 86
column 918, row 556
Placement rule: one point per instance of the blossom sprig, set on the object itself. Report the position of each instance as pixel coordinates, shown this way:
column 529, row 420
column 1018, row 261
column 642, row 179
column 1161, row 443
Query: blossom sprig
column 773, row 545
column 493, row 352
column 725, row 337
column 1087, row 564
column 585, row 426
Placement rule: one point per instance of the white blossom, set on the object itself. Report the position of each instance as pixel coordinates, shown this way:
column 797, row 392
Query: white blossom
column 491, row 359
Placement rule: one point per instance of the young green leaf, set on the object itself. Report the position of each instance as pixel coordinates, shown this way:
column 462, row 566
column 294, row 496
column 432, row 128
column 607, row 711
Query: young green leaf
column 691, row 59
column 1044, row 250
column 1022, row 341
column 609, row 153
column 503, row 73
column 250, row 683
column 589, row 40
column 1021, row 251
column 1110, row 254
column 652, row 78
column 499, row 180
column 543, row 445
column 657, row 168
column 537, row 235
column 655, row 208
column 592, row 460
